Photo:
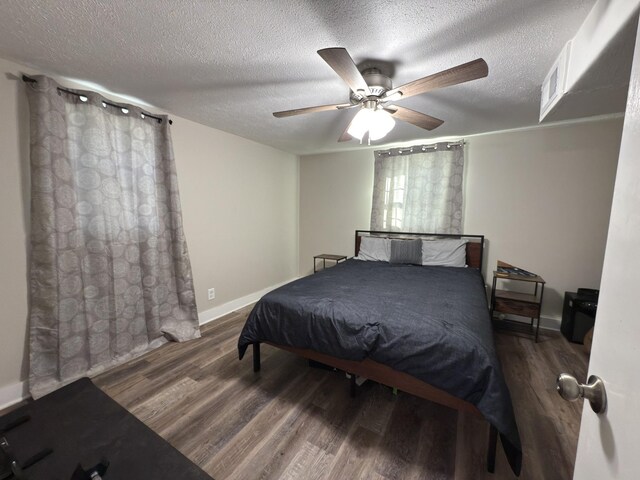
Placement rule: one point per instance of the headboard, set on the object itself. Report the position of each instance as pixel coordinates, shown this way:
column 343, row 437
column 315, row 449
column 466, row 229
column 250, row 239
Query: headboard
column 475, row 243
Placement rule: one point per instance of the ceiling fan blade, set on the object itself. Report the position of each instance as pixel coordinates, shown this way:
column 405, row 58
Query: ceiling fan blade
column 415, row 118
column 462, row 73
column 342, row 63
column 319, row 108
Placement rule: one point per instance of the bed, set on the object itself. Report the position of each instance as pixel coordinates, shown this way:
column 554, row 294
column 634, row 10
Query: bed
column 424, row 330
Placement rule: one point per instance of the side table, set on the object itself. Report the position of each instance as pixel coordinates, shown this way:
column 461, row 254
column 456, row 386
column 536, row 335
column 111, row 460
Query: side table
column 517, row 303
column 324, row 257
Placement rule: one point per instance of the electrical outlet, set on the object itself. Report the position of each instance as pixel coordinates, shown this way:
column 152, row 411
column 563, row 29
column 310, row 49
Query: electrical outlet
column 211, row 293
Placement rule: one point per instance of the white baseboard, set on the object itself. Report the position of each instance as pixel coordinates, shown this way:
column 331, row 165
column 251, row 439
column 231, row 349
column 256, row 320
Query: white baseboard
column 550, row 323
column 222, row 310
column 14, row 393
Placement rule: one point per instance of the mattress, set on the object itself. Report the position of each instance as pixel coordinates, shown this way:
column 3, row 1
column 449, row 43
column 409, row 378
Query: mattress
column 429, row 322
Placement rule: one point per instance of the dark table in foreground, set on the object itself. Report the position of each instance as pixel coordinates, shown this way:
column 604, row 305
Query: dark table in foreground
column 82, row 424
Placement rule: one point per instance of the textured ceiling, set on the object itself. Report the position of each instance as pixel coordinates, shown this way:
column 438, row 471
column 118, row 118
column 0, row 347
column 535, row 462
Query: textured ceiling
column 229, row 64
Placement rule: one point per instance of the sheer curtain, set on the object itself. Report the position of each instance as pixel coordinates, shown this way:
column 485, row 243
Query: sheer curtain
column 418, row 189
column 110, row 276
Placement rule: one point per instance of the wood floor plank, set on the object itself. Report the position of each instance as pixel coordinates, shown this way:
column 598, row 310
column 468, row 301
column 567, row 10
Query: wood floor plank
column 399, row 445
column 310, row 462
column 126, row 388
column 247, row 396
column 291, row 421
column 256, row 433
column 123, row 373
column 354, row 455
column 436, row 453
column 338, row 418
column 471, row 447
column 279, row 448
column 377, row 408
column 162, row 402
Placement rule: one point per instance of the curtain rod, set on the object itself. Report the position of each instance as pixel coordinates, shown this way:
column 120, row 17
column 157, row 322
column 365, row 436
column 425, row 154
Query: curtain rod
column 104, row 102
column 418, row 148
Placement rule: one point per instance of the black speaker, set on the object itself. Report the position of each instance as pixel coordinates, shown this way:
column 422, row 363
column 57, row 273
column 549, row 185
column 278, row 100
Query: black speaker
column 579, row 314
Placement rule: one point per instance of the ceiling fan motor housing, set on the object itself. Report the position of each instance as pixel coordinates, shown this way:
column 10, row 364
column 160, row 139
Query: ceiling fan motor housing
column 378, row 84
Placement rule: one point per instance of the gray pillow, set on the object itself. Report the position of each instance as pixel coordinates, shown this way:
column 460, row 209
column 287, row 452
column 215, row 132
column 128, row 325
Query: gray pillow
column 445, row 252
column 374, row 249
column 406, row 251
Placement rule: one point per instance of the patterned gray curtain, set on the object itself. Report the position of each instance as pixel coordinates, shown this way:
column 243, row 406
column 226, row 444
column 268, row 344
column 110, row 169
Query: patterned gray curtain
column 110, row 274
column 418, row 189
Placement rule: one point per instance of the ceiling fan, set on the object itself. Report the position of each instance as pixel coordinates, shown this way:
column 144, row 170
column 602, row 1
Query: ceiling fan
column 371, row 91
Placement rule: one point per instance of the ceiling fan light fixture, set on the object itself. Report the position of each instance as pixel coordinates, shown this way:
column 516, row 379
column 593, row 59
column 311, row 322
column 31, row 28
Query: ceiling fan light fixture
column 360, row 123
column 382, row 123
column 377, row 122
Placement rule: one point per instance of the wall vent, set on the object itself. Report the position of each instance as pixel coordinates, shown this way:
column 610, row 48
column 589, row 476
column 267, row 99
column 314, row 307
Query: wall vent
column 554, row 85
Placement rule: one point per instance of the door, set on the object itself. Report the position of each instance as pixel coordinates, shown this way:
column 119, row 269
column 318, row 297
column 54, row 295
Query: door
column 609, row 443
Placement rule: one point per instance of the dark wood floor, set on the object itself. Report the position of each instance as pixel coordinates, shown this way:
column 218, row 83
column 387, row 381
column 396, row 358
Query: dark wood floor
column 294, row 422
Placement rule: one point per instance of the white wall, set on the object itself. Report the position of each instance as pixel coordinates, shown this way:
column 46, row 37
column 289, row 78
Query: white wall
column 335, row 199
column 14, row 199
column 541, row 197
column 606, row 19
column 240, row 212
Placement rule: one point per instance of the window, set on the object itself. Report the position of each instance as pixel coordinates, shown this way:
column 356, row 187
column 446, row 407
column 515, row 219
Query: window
column 394, row 197
column 418, row 192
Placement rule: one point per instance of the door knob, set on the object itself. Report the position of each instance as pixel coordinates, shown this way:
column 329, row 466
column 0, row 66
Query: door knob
column 594, row 391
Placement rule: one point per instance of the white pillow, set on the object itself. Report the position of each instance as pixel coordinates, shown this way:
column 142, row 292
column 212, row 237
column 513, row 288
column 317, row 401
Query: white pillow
column 375, row 249
column 445, row 253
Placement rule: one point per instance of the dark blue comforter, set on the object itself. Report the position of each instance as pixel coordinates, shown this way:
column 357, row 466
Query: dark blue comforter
column 430, row 322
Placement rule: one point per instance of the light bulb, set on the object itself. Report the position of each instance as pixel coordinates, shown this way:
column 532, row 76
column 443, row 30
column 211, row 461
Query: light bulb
column 381, row 123
column 377, row 122
column 360, row 123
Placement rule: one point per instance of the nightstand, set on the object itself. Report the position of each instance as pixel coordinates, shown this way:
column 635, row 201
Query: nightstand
column 324, row 257
column 516, row 303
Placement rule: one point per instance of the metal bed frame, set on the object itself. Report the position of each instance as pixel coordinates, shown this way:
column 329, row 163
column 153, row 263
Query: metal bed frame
column 385, row 375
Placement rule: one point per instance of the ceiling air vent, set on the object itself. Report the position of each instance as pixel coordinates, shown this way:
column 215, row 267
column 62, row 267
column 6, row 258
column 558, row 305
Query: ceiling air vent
column 554, row 85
